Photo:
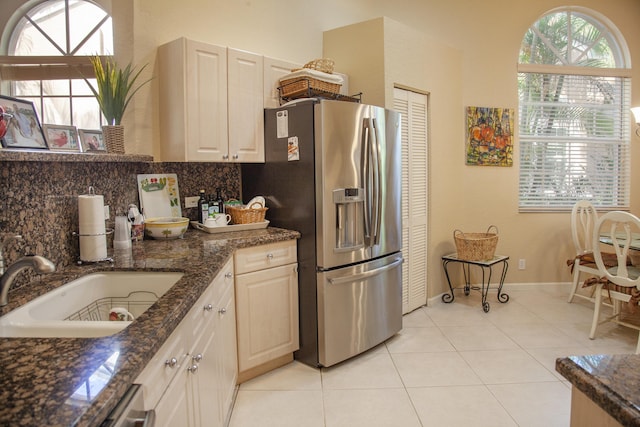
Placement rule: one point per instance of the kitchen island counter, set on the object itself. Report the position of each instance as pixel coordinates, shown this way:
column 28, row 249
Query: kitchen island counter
column 61, row 381
column 612, row 382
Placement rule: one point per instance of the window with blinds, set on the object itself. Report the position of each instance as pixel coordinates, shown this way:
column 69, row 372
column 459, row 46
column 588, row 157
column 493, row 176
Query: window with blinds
column 574, row 130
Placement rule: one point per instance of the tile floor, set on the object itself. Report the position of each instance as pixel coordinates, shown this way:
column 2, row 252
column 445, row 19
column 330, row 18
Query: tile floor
column 451, row 365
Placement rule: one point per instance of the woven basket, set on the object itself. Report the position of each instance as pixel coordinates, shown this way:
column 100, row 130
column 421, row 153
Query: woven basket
column 300, row 85
column 114, row 138
column 476, row 246
column 247, row 215
column 323, row 64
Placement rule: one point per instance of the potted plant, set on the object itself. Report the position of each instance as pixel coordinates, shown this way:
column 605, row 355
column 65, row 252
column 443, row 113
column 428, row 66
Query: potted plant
column 115, row 88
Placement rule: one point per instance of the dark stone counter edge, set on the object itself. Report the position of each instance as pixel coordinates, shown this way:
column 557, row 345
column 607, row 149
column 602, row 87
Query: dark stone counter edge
column 27, row 155
column 601, row 394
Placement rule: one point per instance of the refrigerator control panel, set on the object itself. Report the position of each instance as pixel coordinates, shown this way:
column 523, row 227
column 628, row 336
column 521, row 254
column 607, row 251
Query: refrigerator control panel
column 348, row 195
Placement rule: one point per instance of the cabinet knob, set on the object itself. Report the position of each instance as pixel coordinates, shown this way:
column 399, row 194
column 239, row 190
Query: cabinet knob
column 197, row 357
column 269, row 256
column 171, row 362
column 225, row 157
column 222, row 310
column 228, row 275
column 208, row 307
column 236, row 157
column 193, row 369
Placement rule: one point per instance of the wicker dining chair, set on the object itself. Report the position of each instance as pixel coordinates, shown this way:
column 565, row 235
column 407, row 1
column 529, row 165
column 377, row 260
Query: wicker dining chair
column 622, row 284
column 583, row 219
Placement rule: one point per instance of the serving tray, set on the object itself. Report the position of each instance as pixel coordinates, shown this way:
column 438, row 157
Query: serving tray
column 229, row 228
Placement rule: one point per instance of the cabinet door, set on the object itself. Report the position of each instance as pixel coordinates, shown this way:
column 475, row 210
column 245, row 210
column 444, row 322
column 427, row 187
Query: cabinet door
column 206, row 102
column 246, row 116
column 266, row 315
column 274, row 70
column 226, row 352
column 175, row 408
column 204, row 379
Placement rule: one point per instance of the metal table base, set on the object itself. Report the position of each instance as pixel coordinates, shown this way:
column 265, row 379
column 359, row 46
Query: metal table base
column 486, row 267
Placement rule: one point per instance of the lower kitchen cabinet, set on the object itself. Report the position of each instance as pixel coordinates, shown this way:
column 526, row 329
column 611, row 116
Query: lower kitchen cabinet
column 266, row 307
column 202, row 379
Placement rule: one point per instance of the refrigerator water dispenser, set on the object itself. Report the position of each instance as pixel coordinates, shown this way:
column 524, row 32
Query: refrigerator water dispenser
column 349, row 203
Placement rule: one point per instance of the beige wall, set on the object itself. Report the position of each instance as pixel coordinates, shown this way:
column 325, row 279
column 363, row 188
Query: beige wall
column 471, row 60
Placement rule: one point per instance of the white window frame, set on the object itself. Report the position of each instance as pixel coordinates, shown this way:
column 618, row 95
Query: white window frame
column 576, row 172
column 69, row 65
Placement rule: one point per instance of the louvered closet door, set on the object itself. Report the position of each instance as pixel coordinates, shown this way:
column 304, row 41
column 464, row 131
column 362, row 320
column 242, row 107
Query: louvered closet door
column 413, row 108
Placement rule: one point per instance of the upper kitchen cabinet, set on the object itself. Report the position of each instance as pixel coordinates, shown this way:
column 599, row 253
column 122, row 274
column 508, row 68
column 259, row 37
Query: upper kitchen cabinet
column 274, row 70
column 211, row 103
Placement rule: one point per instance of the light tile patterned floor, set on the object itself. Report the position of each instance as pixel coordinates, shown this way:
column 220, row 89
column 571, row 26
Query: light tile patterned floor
column 451, row 365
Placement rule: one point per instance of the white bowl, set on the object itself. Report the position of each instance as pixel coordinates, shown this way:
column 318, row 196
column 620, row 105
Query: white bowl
column 166, row 228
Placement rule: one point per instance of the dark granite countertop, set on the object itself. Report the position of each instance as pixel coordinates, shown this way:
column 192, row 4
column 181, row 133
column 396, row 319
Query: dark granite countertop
column 40, row 377
column 611, row 381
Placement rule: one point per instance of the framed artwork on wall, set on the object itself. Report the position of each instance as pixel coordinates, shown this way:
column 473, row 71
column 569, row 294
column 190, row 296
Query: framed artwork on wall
column 489, row 137
column 23, row 127
column 62, row 138
column 92, row 141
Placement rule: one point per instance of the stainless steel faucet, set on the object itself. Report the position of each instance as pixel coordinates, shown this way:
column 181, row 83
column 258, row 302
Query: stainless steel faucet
column 38, row 263
column 7, row 275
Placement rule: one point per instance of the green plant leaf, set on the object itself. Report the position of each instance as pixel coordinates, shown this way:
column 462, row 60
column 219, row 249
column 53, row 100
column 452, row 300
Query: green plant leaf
column 115, row 87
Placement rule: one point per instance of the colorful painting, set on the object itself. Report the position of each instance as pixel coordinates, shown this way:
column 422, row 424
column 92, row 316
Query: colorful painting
column 489, row 136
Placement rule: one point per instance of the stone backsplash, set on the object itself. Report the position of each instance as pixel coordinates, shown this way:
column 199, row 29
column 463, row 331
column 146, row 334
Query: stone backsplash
column 39, row 195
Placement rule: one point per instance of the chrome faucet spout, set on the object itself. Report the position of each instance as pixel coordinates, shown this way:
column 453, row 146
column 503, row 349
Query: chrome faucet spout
column 40, row 264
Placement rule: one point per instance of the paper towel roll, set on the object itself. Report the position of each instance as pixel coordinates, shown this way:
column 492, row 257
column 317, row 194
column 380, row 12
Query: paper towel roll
column 93, row 238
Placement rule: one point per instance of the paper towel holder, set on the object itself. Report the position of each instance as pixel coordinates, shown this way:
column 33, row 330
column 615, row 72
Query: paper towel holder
column 106, row 233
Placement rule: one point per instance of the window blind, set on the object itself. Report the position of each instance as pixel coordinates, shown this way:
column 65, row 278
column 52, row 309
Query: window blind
column 574, row 141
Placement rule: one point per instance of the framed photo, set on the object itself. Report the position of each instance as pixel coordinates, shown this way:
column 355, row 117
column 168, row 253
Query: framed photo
column 62, row 138
column 23, row 126
column 92, row 141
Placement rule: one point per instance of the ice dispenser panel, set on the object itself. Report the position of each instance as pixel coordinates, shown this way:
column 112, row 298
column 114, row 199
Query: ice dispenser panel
column 349, row 204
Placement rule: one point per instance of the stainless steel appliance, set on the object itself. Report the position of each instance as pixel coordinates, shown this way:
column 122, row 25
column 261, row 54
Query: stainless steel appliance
column 332, row 172
column 130, row 411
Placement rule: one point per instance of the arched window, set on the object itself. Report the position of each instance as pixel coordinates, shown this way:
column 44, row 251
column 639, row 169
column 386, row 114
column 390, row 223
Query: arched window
column 574, row 96
column 46, row 58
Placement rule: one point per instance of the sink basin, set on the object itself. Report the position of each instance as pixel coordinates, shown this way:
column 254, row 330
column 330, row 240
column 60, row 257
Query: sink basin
column 82, row 307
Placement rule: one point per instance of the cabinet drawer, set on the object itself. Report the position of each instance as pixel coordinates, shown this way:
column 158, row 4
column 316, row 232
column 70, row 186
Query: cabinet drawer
column 265, row 256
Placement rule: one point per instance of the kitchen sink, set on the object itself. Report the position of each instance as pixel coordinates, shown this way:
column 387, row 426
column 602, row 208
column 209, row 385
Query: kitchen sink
column 84, row 307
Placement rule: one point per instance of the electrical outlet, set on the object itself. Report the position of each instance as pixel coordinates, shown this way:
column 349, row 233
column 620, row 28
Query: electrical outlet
column 191, row 202
column 522, row 264
column 106, row 211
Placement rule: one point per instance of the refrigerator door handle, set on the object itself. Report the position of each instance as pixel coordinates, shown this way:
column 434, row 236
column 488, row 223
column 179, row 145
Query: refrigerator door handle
column 366, row 181
column 366, row 274
column 377, row 185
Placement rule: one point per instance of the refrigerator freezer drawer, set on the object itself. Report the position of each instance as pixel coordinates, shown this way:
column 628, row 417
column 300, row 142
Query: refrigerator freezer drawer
column 358, row 308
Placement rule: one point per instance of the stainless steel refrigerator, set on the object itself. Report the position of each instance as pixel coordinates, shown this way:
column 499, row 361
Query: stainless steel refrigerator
column 332, row 172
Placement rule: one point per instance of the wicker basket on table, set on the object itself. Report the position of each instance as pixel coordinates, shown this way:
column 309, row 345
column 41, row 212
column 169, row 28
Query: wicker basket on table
column 476, row 246
column 248, row 215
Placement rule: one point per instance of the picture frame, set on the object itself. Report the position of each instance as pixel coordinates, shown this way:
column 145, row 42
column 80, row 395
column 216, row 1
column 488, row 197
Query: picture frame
column 92, row 141
column 489, row 136
column 23, row 126
column 61, row 138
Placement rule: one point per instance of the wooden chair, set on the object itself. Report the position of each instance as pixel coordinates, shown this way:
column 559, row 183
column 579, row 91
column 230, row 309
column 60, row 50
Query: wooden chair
column 622, row 282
